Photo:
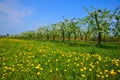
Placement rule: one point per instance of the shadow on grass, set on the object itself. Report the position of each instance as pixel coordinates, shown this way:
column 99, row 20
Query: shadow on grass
column 106, row 46
column 87, row 44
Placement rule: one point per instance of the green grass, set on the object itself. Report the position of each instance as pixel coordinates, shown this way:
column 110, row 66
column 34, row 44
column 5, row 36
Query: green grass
column 48, row 60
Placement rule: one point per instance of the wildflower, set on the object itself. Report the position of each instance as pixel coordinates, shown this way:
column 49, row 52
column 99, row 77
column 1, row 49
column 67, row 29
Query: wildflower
column 118, row 71
column 117, row 64
column 50, row 70
column 90, row 69
column 112, row 72
column 101, row 73
column 4, row 64
column 32, row 64
column 98, row 76
column 84, row 68
column 41, row 68
column 102, row 76
column 106, row 75
column 83, row 75
column 56, row 60
column 81, row 69
column 38, row 66
column 4, row 70
column 6, row 67
column 49, row 60
column 12, row 69
column 46, row 64
column 106, row 70
column 60, row 75
column 65, row 70
column 77, row 64
column 56, row 69
column 38, row 73
column 68, row 61
column 99, row 58
column 73, row 69
column 81, row 63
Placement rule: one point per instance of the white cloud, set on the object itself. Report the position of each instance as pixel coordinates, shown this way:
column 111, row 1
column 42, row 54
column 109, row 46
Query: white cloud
column 12, row 13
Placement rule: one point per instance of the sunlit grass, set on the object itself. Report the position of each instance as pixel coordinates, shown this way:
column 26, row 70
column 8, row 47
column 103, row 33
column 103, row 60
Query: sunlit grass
column 20, row 59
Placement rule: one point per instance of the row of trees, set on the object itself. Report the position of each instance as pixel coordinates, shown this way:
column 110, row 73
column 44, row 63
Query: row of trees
column 101, row 25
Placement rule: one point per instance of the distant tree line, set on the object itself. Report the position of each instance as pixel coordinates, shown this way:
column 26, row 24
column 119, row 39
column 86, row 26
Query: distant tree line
column 99, row 25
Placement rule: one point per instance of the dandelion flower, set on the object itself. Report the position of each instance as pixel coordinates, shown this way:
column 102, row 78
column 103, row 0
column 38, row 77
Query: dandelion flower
column 118, row 71
column 106, row 70
column 60, row 75
column 38, row 73
column 41, row 68
column 84, row 68
column 65, row 70
column 56, row 69
column 98, row 76
column 81, row 70
column 50, row 70
column 102, row 76
column 106, row 75
column 112, row 72
column 90, row 69
column 83, row 75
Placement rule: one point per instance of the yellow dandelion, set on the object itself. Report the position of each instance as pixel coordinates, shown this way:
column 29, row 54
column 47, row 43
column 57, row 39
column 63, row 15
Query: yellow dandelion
column 83, row 75
column 60, row 75
column 98, row 76
column 41, row 68
column 50, row 70
column 4, row 70
column 101, row 73
column 49, row 60
column 56, row 60
column 12, row 69
column 68, row 61
column 32, row 64
column 38, row 73
column 38, row 66
column 117, row 64
column 56, row 69
column 46, row 64
column 118, row 71
column 77, row 64
column 3, row 77
column 106, row 70
column 102, row 76
column 9, row 68
column 106, row 75
column 81, row 70
column 99, row 58
column 65, row 70
column 112, row 72
column 90, row 69
column 6, row 67
column 84, row 68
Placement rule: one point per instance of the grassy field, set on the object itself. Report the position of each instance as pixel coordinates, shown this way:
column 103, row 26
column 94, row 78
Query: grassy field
column 36, row 60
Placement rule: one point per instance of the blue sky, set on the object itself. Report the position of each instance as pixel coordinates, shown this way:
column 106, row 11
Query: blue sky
column 17, row 16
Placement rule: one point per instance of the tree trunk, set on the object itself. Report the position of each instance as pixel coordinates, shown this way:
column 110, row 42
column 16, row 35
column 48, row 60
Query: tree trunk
column 75, row 36
column 47, row 37
column 68, row 36
column 99, row 33
column 63, row 36
column 81, row 38
column 53, row 37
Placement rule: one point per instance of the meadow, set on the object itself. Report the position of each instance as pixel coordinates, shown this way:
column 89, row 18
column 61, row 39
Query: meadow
column 47, row 60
